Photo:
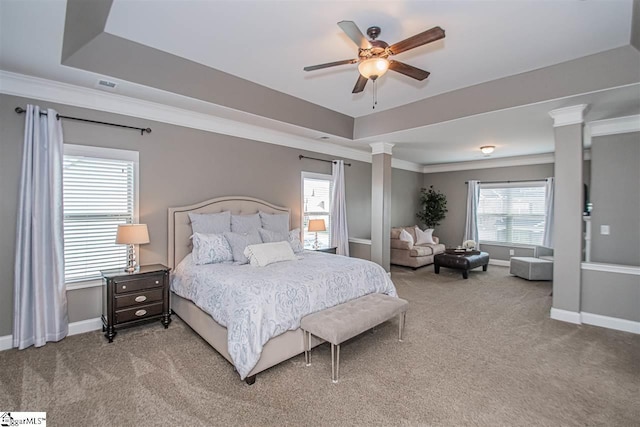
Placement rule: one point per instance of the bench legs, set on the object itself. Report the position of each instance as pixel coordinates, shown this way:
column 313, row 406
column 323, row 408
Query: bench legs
column 401, row 321
column 335, row 362
column 307, row 348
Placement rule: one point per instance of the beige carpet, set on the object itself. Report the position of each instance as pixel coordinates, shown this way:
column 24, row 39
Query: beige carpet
column 481, row 351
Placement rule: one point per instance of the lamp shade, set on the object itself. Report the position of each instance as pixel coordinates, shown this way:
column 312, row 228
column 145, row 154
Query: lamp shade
column 317, row 225
column 373, row 68
column 132, row 234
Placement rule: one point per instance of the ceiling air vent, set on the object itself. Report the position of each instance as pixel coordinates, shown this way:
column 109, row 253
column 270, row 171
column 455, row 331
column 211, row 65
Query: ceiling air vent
column 106, row 84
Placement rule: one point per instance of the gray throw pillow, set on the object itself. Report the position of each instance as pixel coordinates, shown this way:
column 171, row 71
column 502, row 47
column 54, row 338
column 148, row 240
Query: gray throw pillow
column 239, row 242
column 275, row 222
column 212, row 223
column 269, row 236
column 245, row 223
column 294, row 241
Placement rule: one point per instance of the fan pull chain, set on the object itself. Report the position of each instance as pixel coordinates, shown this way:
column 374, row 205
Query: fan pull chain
column 375, row 95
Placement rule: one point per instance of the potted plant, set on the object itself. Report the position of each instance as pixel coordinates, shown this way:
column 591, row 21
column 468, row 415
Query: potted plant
column 433, row 207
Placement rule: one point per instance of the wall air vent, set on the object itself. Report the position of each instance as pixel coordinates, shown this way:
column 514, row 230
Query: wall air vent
column 106, row 84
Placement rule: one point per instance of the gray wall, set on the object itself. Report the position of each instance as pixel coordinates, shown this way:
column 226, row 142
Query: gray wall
column 360, row 250
column 452, row 184
column 615, row 194
column 178, row 166
column 405, row 191
column 610, row 294
column 635, row 25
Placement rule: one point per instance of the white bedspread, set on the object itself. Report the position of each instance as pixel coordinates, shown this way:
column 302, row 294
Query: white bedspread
column 256, row 304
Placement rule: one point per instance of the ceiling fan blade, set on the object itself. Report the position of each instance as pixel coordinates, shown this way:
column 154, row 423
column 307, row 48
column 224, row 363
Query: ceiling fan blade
column 330, row 64
column 354, row 33
column 408, row 70
column 360, row 84
column 436, row 33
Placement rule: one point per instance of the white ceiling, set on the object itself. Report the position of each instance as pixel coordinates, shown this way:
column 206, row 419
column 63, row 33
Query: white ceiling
column 269, row 42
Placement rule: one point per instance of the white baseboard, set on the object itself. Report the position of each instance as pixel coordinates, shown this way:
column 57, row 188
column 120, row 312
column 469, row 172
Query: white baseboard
column 500, row 262
column 615, row 323
column 75, row 328
column 83, row 326
column 611, row 322
column 565, row 316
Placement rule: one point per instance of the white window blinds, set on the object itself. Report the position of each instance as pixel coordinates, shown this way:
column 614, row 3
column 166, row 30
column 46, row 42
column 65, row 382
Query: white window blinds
column 512, row 214
column 317, row 205
column 98, row 195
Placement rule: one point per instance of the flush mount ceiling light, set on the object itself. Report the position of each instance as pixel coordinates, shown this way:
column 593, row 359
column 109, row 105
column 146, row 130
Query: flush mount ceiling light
column 487, row 149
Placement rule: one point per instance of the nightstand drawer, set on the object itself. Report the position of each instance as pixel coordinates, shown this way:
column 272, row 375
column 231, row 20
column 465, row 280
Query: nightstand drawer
column 139, row 298
column 140, row 312
column 138, row 284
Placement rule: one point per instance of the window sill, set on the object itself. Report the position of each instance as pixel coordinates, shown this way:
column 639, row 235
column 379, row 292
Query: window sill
column 83, row 285
column 507, row 245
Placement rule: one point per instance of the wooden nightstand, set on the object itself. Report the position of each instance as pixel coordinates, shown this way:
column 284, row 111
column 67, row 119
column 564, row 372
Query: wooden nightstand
column 129, row 299
column 327, row 250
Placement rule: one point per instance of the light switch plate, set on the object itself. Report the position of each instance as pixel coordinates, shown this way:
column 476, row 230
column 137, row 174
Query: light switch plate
column 512, row 252
column 605, row 230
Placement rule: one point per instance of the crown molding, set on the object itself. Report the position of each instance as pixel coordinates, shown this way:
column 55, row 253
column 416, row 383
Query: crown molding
column 63, row 93
column 503, row 162
column 614, row 126
column 568, row 115
column 406, row 165
column 381, row 148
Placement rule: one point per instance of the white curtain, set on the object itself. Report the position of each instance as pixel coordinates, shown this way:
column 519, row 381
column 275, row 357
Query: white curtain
column 471, row 224
column 548, row 212
column 339, row 230
column 40, row 301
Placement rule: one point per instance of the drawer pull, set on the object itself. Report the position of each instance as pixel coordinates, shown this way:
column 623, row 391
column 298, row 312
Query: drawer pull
column 141, row 298
column 157, row 282
column 124, row 286
column 141, row 313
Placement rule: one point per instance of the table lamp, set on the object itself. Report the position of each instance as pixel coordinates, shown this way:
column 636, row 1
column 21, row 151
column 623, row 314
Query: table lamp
column 132, row 234
column 316, row 225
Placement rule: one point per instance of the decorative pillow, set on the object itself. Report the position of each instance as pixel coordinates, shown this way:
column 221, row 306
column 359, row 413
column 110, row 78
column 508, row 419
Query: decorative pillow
column 245, row 223
column 294, row 241
column 213, row 223
column 269, row 236
column 239, row 242
column 267, row 253
column 424, row 237
column 210, row 249
column 406, row 237
column 275, row 222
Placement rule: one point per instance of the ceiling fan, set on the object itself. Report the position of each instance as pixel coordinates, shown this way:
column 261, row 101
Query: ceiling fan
column 373, row 54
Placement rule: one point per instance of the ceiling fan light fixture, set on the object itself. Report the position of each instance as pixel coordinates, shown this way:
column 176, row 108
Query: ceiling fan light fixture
column 373, row 68
column 487, row 149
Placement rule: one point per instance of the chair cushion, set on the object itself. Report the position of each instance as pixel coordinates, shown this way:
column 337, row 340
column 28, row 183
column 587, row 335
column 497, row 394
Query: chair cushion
column 422, row 250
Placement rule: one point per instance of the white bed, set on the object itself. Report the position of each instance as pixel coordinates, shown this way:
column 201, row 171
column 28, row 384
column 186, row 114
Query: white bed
column 281, row 346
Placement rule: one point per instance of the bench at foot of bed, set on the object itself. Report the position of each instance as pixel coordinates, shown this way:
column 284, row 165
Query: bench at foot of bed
column 345, row 321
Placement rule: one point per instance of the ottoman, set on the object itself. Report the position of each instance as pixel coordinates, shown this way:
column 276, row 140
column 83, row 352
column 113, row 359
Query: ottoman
column 532, row 268
column 461, row 262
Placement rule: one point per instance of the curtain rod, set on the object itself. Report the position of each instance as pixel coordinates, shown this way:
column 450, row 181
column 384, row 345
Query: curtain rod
column 21, row 110
column 320, row 160
column 508, row 182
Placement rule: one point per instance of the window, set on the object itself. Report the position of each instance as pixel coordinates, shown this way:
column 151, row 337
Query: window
column 316, row 204
column 99, row 193
column 512, row 213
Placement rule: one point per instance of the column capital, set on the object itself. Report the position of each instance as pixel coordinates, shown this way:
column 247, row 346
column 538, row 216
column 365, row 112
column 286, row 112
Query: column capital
column 381, row 148
column 568, row 115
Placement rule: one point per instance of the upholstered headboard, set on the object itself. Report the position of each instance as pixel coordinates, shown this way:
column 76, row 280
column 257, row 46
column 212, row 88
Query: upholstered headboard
column 180, row 225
